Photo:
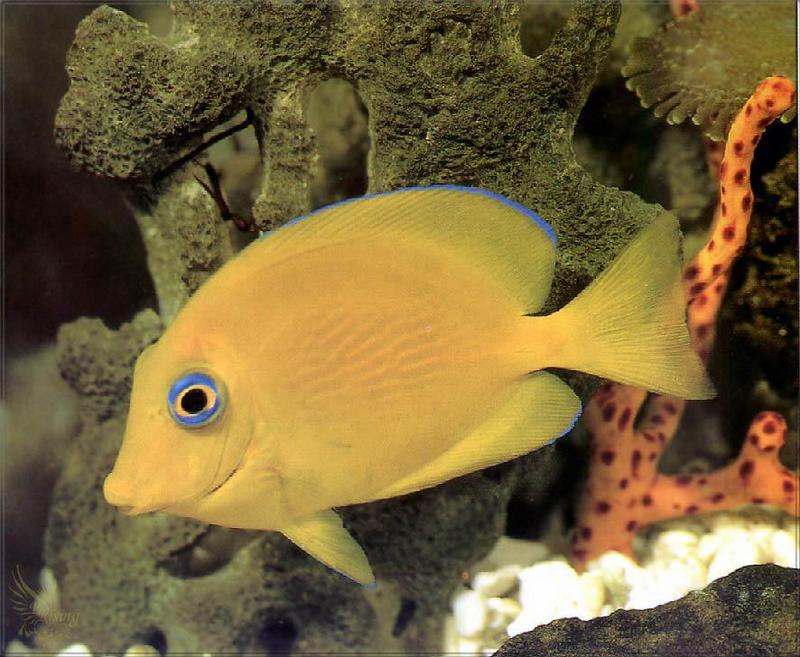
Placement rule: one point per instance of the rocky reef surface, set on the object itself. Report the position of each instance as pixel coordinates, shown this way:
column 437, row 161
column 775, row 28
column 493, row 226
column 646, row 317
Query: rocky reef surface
column 753, row 611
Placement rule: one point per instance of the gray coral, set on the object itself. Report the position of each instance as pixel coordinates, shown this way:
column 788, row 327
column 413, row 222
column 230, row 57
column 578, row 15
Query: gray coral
column 450, row 97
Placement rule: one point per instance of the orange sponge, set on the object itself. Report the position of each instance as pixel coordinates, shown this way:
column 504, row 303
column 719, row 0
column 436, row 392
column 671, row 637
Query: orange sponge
column 625, row 490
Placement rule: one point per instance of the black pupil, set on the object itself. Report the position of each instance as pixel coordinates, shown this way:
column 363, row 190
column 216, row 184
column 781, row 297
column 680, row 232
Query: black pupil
column 194, row 401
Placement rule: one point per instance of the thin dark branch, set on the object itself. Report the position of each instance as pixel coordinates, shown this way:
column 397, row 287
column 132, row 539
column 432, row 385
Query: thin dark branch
column 205, row 145
column 214, row 189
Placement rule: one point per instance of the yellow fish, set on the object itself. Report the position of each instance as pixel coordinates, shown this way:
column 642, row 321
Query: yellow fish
column 380, row 346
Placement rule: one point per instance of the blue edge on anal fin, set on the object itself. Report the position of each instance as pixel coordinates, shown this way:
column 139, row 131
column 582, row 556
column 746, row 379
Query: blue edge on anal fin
column 369, row 587
column 547, row 228
column 568, row 429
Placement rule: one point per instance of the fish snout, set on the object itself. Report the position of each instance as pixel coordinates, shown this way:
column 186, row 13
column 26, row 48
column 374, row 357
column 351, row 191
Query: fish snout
column 119, row 493
column 116, row 491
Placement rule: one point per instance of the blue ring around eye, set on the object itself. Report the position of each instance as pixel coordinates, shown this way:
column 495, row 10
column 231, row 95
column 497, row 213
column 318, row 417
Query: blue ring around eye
column 185, row 383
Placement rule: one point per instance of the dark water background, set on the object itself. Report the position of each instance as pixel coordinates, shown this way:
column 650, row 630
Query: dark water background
column 71, row 248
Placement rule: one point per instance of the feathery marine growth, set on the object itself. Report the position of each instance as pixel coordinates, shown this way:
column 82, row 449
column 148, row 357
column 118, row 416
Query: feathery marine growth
column 706, row 63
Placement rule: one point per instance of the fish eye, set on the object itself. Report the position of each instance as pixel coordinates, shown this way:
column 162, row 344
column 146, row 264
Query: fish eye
column 195, row 399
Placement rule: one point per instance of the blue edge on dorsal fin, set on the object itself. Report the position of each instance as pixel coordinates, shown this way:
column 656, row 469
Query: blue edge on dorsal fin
column 547, row 228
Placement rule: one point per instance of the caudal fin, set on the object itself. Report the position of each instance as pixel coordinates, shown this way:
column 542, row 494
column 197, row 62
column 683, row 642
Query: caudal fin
column 629, row 324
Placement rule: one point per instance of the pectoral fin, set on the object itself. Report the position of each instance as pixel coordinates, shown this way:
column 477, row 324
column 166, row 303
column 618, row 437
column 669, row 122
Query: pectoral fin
column 324, row 537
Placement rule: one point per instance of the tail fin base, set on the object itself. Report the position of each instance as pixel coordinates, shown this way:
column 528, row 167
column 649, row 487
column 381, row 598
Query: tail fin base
column 629, row 324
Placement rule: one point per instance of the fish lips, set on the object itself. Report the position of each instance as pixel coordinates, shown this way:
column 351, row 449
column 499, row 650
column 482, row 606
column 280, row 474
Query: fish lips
column 139, row 510
column 125, row 503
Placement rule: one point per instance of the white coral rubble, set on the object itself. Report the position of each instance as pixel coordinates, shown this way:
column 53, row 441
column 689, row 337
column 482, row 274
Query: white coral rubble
column 527, row 587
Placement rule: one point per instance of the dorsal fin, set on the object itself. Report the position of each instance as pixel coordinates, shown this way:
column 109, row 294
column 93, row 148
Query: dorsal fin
column 509, row 243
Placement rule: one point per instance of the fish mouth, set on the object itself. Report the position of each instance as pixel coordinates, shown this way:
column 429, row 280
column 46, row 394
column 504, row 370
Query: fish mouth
column 133, row 510
column 119, row 494
column 178, row 508
column 130, row 510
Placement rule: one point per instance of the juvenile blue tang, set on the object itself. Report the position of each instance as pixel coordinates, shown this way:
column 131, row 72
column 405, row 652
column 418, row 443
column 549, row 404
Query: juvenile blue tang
column 381, row 346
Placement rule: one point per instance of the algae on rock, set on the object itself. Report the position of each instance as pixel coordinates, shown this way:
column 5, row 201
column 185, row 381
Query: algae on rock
column 450, row 97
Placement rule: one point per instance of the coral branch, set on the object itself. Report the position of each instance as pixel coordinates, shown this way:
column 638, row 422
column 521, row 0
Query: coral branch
column 773, row 97
column 681, row 8
column 625, row 490
column 756, row 477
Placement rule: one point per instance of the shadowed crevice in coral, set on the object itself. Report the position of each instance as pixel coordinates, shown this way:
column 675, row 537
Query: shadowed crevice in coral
column 207, row 553
column 760, row 324
column 231, row 171
column 157, row 639
column 406, row 614
column 338, row 119
column 278, row 636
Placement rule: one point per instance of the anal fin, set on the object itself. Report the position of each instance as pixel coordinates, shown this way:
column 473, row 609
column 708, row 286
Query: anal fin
column 541, row 408
column 324, row 537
